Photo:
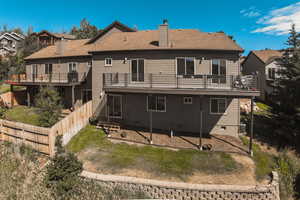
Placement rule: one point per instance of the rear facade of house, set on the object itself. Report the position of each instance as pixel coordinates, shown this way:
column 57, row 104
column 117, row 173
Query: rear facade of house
column 180, row 80
column 170, row 83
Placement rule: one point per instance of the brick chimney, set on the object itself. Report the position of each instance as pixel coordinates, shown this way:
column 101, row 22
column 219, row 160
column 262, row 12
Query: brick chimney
column 164, row 34
column 60, row 46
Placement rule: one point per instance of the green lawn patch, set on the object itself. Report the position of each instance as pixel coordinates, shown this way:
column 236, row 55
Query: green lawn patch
column 24, row 114
column 161, row 161
column 264, row 162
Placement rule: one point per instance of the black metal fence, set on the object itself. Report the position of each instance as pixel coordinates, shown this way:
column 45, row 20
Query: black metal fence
column 180, row 81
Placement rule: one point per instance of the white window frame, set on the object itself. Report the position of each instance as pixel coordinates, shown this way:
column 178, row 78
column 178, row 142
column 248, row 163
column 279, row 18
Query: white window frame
column 108, row 64
column 187, row 100
column 116, row 117
column 176, row 67
column 73, row 64
column 217, row 113
column 275, row 71
column 165, row 101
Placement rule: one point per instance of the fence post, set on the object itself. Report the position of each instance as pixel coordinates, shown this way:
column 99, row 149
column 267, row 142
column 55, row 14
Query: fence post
column 205, row 80
column 231, row 82
column 176, row 76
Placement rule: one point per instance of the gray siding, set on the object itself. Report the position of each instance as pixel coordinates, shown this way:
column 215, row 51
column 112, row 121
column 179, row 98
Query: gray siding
column 253, row 64
column 180, row 117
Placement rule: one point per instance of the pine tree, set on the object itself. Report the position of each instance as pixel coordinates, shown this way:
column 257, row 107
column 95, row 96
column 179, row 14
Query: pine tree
column 49, row 103
column 289, row 90
column 85, row 31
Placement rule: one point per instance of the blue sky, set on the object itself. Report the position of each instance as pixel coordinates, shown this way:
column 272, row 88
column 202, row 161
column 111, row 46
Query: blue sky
column 254, row 24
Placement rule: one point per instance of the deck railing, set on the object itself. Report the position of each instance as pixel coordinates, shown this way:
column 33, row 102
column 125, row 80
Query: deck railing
column 197, row 81
column 71, row 77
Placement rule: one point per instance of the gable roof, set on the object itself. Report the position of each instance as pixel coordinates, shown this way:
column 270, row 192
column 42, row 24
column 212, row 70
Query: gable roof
column 180, row 39
column 115, row 24
column 71, row 48
column 57, row 35
column 266, row 55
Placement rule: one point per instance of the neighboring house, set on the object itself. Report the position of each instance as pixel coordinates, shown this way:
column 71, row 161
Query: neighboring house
column 46, row 38
column 267, row 64
column 9, row 43
column 182, row 80
column 66, row 66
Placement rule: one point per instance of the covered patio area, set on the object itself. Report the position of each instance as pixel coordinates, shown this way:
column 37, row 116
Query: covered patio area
column 219, row 143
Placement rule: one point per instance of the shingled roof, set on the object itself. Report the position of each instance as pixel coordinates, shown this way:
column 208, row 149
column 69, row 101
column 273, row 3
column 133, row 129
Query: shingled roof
column 180, row 39
column 72, row 48
column 267, row 54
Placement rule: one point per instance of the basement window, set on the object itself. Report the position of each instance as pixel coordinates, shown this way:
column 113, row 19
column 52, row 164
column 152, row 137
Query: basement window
column 108, row 62
column 156, row 103
column 187, row 100
column 217, row 105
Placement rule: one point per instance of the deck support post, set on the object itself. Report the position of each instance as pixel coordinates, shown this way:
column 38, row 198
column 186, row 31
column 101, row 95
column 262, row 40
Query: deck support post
column 73, row 96
column 201, row 115
column 12, row 95
column 251, row 129
column 150, row 122
column 28, row 96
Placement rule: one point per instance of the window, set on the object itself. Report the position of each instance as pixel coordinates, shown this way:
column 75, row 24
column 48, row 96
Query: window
column 114, row 106
column 217, row 105
column 185, row 66
column 156, row 103
column 187, row 100
column 108, row 62
column 137, row 70
column 72, row 67
column 48, row 68
column 271, row 73
column 218, row 70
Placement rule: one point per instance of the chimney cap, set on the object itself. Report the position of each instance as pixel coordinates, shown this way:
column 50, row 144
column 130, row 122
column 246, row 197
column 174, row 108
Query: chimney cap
column 165, row 21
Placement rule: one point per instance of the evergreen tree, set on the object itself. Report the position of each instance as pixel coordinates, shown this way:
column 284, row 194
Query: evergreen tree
column 289, row 90
column 86, row 30
column 49, row 103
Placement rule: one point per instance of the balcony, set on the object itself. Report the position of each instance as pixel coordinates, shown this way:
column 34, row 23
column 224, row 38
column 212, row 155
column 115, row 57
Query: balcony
column 71, row 78
column 182, row 84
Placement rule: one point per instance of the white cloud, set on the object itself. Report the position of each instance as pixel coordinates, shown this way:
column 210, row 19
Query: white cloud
column 250, row 12
column 279, row 21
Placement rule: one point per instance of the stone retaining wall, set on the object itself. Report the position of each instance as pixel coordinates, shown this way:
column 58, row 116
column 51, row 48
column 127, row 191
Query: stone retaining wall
column 184, row 191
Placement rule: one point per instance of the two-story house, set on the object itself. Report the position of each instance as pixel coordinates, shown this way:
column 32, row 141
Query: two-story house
column 66, row 66
column 267, row 64
column 182, row 80
column 47, row 38
column 9, row 43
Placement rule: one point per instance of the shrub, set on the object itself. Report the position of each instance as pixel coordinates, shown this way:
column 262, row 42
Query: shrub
column 49, row 103
column 288, row 169
column 63, row 173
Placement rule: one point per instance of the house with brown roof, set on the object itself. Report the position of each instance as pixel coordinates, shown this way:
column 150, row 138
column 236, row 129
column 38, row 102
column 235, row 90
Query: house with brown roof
column 47, row 38
column 179, row 80
column 267, row 64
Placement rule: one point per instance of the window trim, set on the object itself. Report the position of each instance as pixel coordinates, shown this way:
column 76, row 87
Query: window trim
column 130, row 68
column 188, row 103
column 165, row 102
column 48, row 64
column 72, row 66
column 217, row 113
column 116, row 117
column 105, row 63
column 176, row 67
column 211, row 65
column 272, row 78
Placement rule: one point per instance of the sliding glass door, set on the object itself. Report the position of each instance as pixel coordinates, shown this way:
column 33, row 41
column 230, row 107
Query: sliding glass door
column 137, row 70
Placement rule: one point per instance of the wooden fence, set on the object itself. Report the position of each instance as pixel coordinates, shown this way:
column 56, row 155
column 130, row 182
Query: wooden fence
column 43, row 139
